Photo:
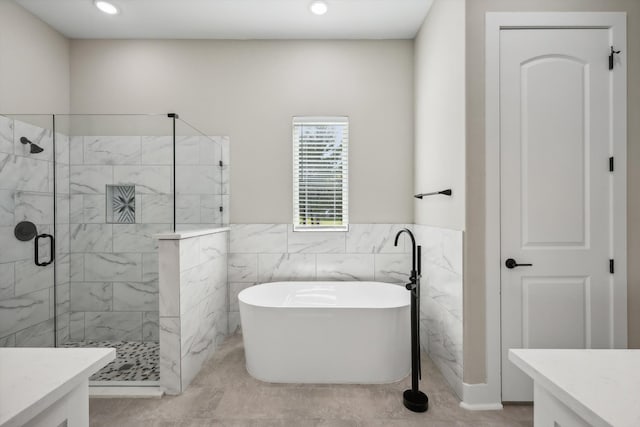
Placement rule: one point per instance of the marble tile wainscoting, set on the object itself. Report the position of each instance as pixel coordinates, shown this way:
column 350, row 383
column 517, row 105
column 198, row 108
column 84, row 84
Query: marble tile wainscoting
column 441, row 300
column 261, row 253
column 193, row 303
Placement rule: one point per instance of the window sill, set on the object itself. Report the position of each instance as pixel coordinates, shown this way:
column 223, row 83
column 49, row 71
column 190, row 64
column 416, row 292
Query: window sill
column 305, row 228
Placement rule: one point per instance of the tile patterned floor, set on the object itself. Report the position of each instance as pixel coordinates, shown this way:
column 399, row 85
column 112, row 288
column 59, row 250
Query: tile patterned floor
column 223, row 394
column 135, row 360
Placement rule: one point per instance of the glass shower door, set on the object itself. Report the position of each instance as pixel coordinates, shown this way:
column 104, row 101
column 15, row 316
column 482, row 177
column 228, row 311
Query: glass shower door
column 27, row 231
column 120, row 194
column 202, row 179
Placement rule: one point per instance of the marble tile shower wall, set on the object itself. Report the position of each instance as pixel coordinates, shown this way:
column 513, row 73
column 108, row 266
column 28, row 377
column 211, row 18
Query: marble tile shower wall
column 26, row 193
column 114, row 267
column 262, row 253
column 441, row 300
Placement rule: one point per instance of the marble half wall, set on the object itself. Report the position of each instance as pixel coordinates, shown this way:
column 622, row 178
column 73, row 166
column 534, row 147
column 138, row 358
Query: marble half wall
column 441, row 300
column 193, row 303
column 261, row 253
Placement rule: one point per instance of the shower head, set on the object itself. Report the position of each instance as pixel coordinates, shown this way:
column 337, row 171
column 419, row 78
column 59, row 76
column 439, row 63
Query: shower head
column 34, row 149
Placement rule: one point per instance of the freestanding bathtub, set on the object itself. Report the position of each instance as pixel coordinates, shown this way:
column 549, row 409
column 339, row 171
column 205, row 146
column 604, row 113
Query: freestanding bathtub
column 326, row 332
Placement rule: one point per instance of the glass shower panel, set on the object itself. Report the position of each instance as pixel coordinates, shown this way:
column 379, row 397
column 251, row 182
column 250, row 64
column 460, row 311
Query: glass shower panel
column 62, row 233
column 201, row 174
column 120, row 193
column 27, row 283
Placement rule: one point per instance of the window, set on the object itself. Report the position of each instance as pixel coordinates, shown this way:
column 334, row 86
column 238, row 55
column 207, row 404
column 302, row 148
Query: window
column 320, row 173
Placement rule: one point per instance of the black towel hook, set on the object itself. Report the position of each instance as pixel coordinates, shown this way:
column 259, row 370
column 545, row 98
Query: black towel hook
column 446, row 192
column 611, row 56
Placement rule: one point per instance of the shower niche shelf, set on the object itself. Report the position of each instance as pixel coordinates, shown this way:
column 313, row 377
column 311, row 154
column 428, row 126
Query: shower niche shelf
column 121, row 204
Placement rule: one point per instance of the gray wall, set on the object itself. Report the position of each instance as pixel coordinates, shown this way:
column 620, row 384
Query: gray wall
column 249, row 90
column 34, row 64
column 474, row 286
column 440, row 115
column 440, row 163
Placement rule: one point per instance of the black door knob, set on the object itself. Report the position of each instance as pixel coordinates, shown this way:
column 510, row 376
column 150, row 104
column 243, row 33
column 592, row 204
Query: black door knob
column 511, row 263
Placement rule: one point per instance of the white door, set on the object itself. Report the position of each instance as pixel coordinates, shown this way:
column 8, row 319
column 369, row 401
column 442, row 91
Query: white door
column 556, row 204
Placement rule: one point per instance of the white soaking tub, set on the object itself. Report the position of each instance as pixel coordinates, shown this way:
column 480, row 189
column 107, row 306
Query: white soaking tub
column 326, row 332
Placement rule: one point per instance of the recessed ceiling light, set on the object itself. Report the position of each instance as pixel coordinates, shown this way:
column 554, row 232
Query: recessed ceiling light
column 319, row 7
column 106, row 7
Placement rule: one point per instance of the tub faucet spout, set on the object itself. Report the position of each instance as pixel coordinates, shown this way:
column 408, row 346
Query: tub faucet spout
column 415, row 272
column 414, row 399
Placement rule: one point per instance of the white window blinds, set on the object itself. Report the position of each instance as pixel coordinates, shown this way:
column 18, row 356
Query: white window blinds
column 320, row 173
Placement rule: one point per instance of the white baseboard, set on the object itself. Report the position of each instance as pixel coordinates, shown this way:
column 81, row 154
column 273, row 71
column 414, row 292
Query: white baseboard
column 480, row 397
column 481, row 406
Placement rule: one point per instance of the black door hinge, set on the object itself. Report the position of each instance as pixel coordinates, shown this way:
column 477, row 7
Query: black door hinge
column 221, row 164
column 610, row 164
column 611, row 56
column 221, row 208
column 611, row 266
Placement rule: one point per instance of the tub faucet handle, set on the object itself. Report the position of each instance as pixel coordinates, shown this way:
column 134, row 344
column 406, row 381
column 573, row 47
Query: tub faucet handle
column 413, row 277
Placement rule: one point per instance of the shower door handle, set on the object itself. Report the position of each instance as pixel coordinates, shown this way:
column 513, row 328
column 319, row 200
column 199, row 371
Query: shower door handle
column 51, row 250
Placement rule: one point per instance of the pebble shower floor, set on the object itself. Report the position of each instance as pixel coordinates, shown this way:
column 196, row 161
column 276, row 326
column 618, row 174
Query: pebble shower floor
column 135, row 360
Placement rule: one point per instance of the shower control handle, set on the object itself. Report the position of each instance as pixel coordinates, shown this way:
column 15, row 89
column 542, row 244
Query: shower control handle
column 51, row 250
column 512, row 263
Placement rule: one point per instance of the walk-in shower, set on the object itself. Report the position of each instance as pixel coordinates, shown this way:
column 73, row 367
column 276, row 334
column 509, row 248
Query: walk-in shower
column 101, row 186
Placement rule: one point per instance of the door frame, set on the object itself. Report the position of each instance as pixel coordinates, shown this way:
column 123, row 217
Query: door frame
column 616, row 23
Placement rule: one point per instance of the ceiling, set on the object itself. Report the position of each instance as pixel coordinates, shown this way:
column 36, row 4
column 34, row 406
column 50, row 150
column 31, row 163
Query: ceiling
column 233, row 19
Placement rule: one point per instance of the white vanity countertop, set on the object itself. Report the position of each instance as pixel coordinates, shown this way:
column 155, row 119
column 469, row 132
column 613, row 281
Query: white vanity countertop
column 601, row 386
column 31, row 379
